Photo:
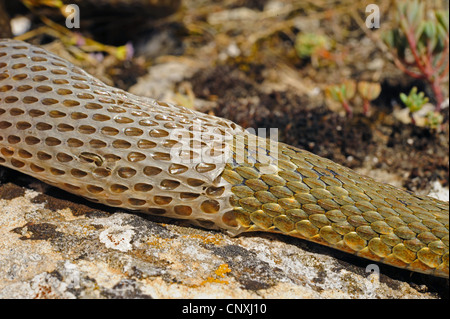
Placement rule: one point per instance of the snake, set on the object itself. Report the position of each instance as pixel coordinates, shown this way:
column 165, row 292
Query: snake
column 66, row 128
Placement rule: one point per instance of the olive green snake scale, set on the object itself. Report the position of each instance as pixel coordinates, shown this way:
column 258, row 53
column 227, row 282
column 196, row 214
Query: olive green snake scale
column 68, row 129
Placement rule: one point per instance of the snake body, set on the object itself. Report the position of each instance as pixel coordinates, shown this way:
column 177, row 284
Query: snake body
column 68, row 129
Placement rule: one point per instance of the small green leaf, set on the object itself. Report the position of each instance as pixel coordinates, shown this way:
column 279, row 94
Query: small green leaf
column 434, row 119
column 414, row 101
column 440, row 36
column 403, row 97
column 443, row 18
column 414, row 10
column 404, row 25
column 430, row 29
column 388, row 38
column 420, row 29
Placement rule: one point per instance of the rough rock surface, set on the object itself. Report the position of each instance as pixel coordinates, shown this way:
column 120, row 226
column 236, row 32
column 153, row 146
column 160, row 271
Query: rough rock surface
column 53, row 247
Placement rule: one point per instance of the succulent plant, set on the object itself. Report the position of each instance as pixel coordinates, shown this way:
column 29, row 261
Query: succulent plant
column 420, row 44
column 308, row 44
column 414, row 101
column 434, row 120
column 369, row 91
column 342, row 93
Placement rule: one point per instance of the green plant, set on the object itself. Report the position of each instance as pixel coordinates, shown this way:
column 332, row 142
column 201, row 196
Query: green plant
column 307, row 44
column 421, row 45
column 342, row 93
column 345, row 92
column 369, row 91
column 414, row 101
column 434, row 120
column 312, row 45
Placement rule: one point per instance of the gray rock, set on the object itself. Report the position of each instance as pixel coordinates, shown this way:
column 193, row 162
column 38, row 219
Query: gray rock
column 57, row 248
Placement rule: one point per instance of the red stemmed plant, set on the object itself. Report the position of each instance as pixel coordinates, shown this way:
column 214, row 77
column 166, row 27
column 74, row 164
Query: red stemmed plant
column 421, row 45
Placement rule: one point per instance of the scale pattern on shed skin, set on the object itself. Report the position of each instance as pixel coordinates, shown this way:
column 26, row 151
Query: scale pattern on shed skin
column 61, row 125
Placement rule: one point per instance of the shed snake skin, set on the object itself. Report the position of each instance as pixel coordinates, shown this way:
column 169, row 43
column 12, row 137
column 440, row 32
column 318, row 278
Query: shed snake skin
column 61, row 125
